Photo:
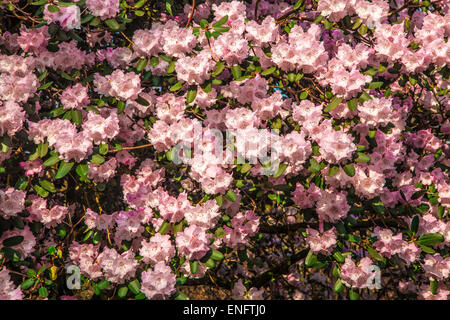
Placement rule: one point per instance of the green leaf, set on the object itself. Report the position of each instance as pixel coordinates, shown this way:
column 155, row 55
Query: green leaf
column 216, row 255
column 364, row 97
column 181, row 296
column 140, row 3
column 41, row 191
column 53, row 8
column 333, row 171
column 230, row 195
column 191, row 94
column 338, row 286
column 219, row 200
column 236, row 71
column 142, row 63
column 376, row 85
column 362, row 30
column 51, row 161
column 433, row 286
column 45, row 86
column 177, row 86
column 65, row 4
column 64, row 168
column 362, row 158
column 97, row 159
column 43, row 293
column 297, row 4
column 194, row 266
column 415, row 224
column 87, row 235
column 27, row 284
column 169, row 7
column 349, row 169
column 42, row 149
column 154, row 61
column 103, row 148
column 310, row 259
column 303, row 95
column 142, row 101
column 171, row 67
column 353, row 295
column 221, row 22
column 314, row 166
column 220, row 66
column 140, row 296
column 164, row 228
column 427, row 249
column 281, row 168
column 219, row 233
column 87, row 18
column 268, row 71
column 82, row 170
column 430, row 239
column 67, row 76
column 352, row 104
column 333, row 104
column 135, row 286
column 13, row 241
column 57, row 112
column 122, row 292
column 209, row 263
column 374, row 254
column 77, row 116
column 102, row 285
column 246, row 168
column 95, row 22
column 47, row 185
column 112, row 24
column 219, row 30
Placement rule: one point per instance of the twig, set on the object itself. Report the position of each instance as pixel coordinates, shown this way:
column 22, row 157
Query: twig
column 191, row 14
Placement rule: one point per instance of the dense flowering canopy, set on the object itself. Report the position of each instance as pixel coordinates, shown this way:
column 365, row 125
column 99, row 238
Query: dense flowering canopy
column 115, row 155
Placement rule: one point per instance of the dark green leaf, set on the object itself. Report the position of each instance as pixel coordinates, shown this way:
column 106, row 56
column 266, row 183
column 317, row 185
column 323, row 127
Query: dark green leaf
column 430, row 239
column 13, row 241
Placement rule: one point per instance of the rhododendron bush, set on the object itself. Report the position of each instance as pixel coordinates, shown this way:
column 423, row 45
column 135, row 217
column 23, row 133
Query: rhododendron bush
column 119, row 178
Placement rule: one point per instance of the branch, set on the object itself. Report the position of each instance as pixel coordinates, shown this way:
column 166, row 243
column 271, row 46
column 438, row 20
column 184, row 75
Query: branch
column 191, row 14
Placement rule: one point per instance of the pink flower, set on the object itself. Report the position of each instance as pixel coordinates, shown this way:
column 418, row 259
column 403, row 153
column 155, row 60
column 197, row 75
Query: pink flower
column 117, row 267
column 356, row 276
column 8, row 291
column 332, row 206
column 12, row 201
column 11, row 118
column 68, row 17
column 192, row 242
column 158, row 248
column 75, row 97
column 103, row 8
column 54, row 216
column 158, row 283
column 321, row 242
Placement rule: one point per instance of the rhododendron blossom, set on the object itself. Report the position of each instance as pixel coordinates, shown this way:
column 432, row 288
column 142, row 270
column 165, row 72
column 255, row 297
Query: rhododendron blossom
column 231, row 149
